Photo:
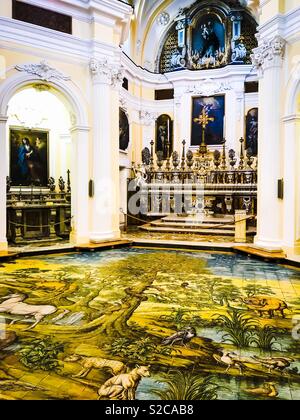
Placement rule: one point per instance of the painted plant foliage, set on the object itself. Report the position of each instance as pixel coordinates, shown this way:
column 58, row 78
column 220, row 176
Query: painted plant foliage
column 174, row 325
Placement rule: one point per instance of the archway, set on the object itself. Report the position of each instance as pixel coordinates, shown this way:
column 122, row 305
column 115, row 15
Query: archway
column 68, row 94
column 291, row 167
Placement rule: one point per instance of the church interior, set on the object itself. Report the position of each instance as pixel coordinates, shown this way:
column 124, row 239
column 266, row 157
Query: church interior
column 150, row 200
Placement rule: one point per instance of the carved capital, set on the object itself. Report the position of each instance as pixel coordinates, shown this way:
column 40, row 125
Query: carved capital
column 117, row 76
column 43, row 71
column 269, row 54
column 103, row 71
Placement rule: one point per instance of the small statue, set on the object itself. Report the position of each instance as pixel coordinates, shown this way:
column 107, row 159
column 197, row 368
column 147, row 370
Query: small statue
column 146, row 156
column 178, row 58
column 61, row 184
column 51, row 184
column 140, row 175
column 239, row 51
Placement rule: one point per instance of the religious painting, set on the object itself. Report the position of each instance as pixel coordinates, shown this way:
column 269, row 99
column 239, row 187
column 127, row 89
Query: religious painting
column 208, row 43
column 252, row 130
column 214, row 108
column 29, row 160
column 123, row 131
column 164, row 135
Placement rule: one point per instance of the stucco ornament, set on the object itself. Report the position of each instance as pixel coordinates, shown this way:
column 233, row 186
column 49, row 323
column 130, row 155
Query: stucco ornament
column 43, row 70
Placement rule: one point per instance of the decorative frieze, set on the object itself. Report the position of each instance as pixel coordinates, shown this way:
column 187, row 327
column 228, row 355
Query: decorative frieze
column 42, row 70
column 148, row 118
column 208, row 87
column 269, row 54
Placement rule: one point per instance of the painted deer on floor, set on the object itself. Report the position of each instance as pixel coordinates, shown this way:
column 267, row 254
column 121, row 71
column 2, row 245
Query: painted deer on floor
column 14, row 305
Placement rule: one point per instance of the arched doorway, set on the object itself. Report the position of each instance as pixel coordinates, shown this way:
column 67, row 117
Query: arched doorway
column 71, row 100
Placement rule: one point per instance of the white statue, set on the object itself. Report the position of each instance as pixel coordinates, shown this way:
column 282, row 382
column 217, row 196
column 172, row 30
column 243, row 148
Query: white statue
column 140, row 175
column 239, row 51
column 178, row 58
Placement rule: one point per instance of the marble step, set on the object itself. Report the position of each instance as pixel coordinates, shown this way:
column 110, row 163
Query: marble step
column 202, row 231
column 193, row 225
column 211, row 220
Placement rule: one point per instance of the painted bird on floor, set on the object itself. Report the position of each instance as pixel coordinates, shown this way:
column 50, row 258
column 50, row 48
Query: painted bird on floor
column 181, row 337
column 268, row 389
column 274, row 363
column 231, row 360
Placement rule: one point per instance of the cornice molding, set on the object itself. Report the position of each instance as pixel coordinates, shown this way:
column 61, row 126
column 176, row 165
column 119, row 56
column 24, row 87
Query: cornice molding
column 284, row 25
column 144, row 111
column 291, row 118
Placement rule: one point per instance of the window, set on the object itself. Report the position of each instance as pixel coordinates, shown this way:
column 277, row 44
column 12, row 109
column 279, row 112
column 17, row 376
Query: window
column 251, row 87
column 164, row 94
column 42, row 17
column 125, row 83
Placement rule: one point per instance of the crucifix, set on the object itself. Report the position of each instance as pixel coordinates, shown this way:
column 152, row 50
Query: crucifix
column 203, row 120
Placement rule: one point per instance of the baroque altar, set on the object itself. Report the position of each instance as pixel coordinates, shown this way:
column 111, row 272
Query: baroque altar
column 205, row 187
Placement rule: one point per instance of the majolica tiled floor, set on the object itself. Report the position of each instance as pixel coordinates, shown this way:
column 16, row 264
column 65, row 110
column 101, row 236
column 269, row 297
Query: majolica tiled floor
column 200, row 325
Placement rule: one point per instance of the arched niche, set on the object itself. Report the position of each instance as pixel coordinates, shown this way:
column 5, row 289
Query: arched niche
column 164, row 135
column 124, row 131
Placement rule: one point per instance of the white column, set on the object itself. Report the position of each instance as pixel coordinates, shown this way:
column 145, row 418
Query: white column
column 3, row 175
column 186, row 110
column 238, row 130
column 124, row 175
column 179, row 117
column 269, row 60
column 79, row 185
column 291, row 231
column 106, row 200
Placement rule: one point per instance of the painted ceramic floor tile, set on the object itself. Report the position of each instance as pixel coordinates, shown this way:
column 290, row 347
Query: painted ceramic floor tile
column 180, row 325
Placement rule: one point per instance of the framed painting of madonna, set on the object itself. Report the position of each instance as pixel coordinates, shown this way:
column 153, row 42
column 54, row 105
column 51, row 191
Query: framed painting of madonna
column 29, row 157
column 214, row 107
